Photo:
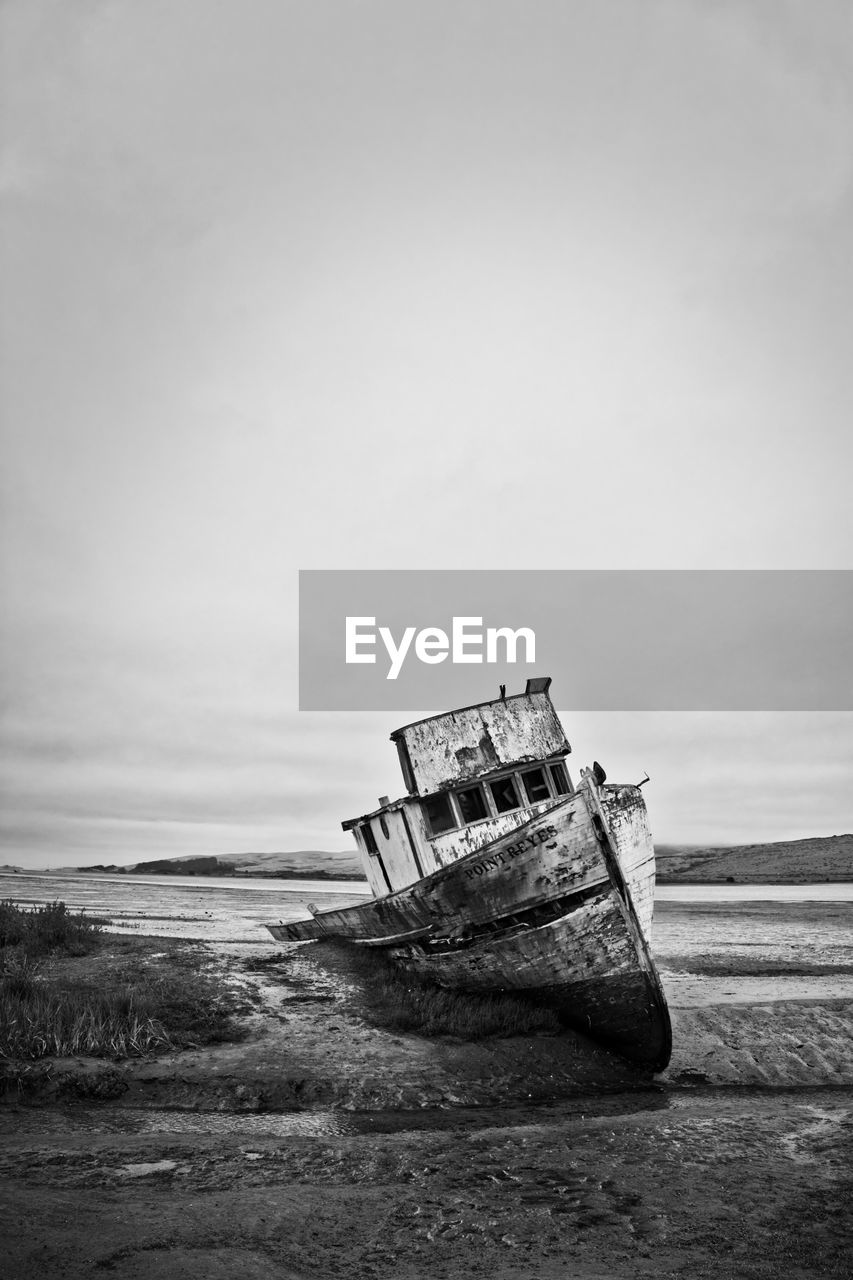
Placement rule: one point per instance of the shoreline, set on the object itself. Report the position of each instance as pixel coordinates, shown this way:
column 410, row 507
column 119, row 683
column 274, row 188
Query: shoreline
column 321, row 1145
column 741, row 1013
column 844, row 876
column 745, row 883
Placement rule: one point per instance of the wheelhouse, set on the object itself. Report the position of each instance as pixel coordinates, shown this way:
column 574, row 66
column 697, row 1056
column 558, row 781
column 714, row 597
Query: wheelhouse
column 471, row 775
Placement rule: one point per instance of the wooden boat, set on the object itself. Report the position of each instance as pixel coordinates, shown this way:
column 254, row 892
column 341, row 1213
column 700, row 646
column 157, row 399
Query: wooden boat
column 494, row 873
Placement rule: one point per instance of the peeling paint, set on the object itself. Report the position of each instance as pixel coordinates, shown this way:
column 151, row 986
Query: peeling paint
column 450, row 749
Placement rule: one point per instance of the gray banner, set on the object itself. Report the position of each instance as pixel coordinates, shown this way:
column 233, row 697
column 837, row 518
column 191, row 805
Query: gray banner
column 611, row 639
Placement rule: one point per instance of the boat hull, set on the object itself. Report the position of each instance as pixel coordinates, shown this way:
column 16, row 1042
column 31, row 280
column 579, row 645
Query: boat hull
column 545, row 910
column 586, row 964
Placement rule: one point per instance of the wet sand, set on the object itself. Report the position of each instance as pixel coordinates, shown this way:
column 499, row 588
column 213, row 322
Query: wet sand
column 321, row 1146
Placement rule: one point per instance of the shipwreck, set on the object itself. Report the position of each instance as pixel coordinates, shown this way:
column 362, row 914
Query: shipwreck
column 496, row 873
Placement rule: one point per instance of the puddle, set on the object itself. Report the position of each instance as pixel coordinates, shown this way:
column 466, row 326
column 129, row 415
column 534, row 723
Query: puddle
column 291, row 1124
column 437, row 1119
column 321, row 1124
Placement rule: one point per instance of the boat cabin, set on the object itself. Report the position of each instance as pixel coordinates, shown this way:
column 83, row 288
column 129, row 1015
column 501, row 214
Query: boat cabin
column 471, row 775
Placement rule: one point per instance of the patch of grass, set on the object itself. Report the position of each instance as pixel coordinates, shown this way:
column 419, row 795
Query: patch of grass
column 48, row 1022
column 68, row 988
column 399, row 1001
column 195, row 1008
column 41, row 930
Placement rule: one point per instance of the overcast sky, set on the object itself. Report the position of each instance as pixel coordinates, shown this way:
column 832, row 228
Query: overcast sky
column 323, row 285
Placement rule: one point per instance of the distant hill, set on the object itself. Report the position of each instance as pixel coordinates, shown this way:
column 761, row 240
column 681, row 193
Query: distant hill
column 822, row 859
column 313, row 864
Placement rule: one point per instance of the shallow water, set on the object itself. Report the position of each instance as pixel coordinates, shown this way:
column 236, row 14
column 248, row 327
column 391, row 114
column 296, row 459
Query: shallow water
column 212, row 909
column 839, row 892
column 329, row 1123
column 219, row 909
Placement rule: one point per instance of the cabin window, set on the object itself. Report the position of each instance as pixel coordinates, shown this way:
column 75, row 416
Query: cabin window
column 439, row 814
column 536, row 785
column 472, row 804
column 369, row 838
column 505, row 795
column 561, row 780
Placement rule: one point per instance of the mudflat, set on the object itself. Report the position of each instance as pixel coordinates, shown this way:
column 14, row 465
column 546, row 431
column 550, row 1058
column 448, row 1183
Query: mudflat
column 323, row 1145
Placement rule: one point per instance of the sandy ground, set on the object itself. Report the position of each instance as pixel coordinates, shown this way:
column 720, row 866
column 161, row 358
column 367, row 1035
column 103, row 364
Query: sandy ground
column 320, row 1146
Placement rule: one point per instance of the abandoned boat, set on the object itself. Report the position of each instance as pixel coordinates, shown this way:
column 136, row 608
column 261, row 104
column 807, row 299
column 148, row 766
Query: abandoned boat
column 496, row 873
